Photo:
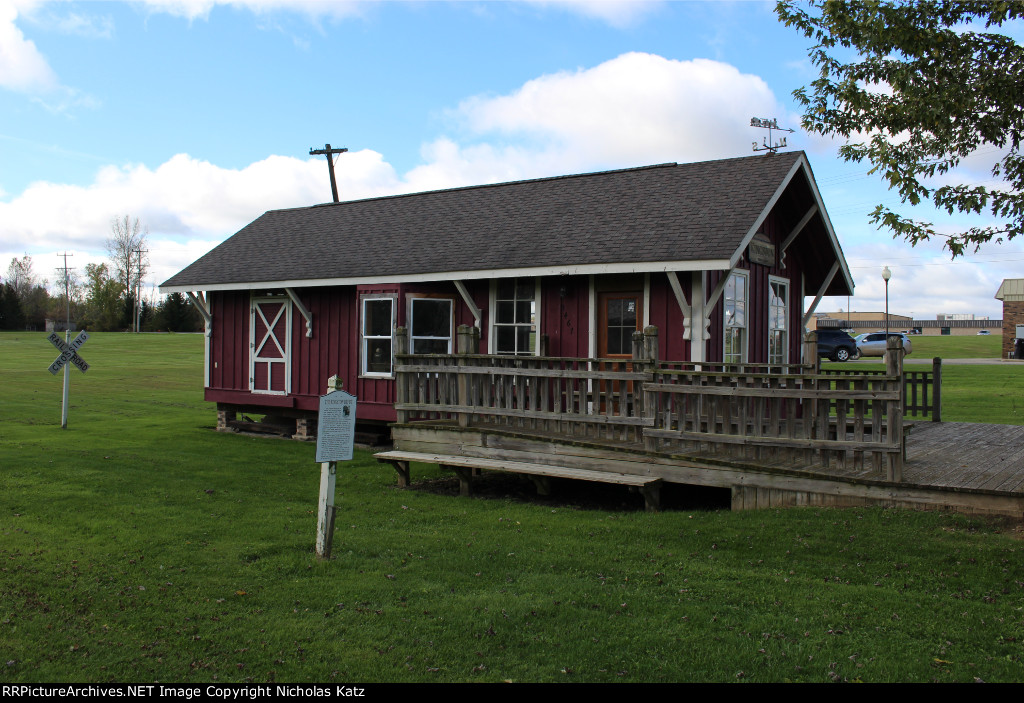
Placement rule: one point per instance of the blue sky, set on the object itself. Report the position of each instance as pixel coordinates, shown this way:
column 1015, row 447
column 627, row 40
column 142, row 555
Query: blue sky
column 197, row 116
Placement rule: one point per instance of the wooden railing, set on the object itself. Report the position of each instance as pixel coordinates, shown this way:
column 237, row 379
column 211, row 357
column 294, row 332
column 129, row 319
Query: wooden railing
column 576, row 397
column 922, row 390
column 779, row 419
column 840, row 421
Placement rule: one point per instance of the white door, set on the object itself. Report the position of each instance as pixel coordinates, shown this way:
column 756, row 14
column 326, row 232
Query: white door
column 270, row 345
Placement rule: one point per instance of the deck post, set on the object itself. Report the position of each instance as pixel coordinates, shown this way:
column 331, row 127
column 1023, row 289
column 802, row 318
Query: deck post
column 401, row 379
column 811, row 352
column 468, row 343
column 937, row 389
column 894, row 416
column 651, row 344
column 468, row 340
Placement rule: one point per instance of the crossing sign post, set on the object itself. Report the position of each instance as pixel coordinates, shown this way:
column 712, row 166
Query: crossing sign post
column 68, row 355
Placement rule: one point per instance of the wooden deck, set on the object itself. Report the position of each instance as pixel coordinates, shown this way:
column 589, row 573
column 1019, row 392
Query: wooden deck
column 965, row 467
column 774, row 436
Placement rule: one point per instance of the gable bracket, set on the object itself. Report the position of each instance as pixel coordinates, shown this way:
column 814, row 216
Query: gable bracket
column 821, row 291
column 796, row 230
column 199, row 300
column 684, row 306
column 712, row 302
column 468, row 300
column 302, row 309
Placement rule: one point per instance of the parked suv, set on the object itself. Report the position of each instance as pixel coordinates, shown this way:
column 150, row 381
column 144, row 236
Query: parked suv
column 837, row 345
column 873, row 344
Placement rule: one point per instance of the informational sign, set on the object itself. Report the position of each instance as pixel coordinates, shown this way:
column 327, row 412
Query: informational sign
column 336, row 430
column 761, row 252
column 68, row 352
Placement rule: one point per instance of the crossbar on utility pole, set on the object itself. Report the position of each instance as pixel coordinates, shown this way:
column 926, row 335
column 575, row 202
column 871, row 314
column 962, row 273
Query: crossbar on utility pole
column 329, row 152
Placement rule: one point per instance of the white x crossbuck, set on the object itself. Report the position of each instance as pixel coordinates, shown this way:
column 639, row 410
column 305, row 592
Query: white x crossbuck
column 68, row 352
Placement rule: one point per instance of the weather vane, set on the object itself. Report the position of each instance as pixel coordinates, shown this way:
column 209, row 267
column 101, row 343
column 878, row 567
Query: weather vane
column 769, row 144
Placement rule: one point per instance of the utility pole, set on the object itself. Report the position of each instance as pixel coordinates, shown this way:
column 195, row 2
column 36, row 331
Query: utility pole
column 67, row 339
column 138, row 291
column 329, row 152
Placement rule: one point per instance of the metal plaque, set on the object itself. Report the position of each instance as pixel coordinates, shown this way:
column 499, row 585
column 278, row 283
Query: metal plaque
column 336, row 428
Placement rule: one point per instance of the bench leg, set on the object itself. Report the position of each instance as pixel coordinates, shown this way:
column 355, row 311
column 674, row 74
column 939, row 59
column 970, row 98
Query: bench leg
column 543, row 484
column 402, row 467
column 652, row 497
column 465, row 479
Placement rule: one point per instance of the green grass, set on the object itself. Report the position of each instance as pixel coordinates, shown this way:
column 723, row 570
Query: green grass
column 957, row 346
column 141, row 545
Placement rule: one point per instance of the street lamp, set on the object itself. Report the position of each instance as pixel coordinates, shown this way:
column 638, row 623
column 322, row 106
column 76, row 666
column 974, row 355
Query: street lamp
column 886, row 275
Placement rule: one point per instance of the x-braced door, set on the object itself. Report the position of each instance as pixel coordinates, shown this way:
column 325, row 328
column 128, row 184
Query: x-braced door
column 270, row 345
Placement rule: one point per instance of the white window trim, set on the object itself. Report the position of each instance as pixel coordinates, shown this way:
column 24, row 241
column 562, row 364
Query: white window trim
column 393, row 297
column 411, row 299
column 492, row 338
column 787, row 329
column 746, row 318
column 286, row 310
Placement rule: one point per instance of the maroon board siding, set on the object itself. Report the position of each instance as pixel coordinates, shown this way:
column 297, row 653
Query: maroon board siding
column 229, row 341
column 665, row 314
column 564, row 318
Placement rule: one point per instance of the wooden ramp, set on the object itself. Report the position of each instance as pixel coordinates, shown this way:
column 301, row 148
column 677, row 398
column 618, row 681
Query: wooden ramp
column 963, row 467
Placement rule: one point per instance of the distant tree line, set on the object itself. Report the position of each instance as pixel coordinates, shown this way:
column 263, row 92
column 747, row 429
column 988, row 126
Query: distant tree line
column 105, row 300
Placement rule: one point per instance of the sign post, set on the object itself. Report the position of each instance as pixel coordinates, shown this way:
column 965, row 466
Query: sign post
column 68, row 355
column 335, row 438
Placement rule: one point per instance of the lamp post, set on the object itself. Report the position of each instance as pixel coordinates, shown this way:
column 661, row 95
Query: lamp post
column 886, row 275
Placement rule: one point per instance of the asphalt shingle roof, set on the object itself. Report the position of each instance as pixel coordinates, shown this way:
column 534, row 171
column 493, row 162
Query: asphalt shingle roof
column 670, row 212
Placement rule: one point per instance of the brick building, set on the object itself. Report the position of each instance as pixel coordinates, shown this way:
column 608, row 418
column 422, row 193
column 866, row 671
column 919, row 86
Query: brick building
column 1011, row 292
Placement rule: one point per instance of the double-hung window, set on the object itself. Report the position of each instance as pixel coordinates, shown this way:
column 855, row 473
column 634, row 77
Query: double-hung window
column 778, row 306
column 378, row 324
column 515, row 316
column 431, row 325
column 734, row 348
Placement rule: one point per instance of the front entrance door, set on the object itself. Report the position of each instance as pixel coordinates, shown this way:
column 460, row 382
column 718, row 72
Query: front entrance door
column 619, row 316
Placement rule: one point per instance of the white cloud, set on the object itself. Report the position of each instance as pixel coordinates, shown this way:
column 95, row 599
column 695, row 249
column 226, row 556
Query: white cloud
column 188, row 204
column 22, row 67
column 631, row 110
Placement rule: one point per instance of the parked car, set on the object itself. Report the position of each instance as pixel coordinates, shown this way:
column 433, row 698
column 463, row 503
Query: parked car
column 873, row 343
column 837, row 345
column 985, row 332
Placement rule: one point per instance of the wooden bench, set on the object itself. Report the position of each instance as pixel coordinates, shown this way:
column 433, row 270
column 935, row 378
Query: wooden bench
column 648, row 486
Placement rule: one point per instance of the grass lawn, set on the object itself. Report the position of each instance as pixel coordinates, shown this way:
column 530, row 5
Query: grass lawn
column 957, row 347
column 141, row 545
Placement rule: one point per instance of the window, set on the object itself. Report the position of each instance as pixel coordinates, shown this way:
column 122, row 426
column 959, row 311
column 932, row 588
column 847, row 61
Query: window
column 778, row 339
column 430, row 329
column 735, row 346
column 515, row 316
column 378, row 324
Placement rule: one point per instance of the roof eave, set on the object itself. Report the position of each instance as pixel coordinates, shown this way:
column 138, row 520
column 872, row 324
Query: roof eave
column 566, row 270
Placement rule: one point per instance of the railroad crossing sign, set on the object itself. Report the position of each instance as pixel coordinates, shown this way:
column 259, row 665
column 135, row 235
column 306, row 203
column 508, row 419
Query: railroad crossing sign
column 68, row 352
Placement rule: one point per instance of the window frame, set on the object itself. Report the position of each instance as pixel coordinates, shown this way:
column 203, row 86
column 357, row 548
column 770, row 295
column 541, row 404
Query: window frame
column 494, row 323
column 412, row 299
column 727, row 327
column 784, row 283
column 364, row 338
